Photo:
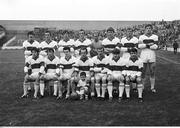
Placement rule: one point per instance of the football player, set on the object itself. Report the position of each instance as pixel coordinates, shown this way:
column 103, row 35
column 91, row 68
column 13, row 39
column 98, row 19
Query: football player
column 128, row 42
column 66, row 42
column 36, row 62
column 52, row 71
column 28, row 45
column 83, row 64
column 82, row 42
column 133, row 73
column 66, row 66
column 148, row 43
column 115, row 65
column 48, row 43
column 110, row 42
column 100, row 68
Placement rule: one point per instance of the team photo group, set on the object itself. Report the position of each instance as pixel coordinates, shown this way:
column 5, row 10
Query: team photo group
column 106, row 68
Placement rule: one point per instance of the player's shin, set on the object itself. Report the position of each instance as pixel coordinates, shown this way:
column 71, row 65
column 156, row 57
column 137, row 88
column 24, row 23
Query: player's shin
column 140, row 90
column 25, row 88
column 98, row 89
column 41, row 84
column 55, row 88
column 127, row 90
column 104, row 85
column 36, row 89
column 121, row 88
column 152, row 81
column 110, row 88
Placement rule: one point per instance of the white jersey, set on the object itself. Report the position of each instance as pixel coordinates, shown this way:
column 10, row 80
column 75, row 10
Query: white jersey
column 28, row 47
column 70, row 43
column 78, row 45
column 109, row 45
column 36, row 65
column 133, row 68
column 67, row 65
column 44, row 45
column 116, row 66
column 100, row 66
column 52, row 66
column 84, row 66
column 148, row 53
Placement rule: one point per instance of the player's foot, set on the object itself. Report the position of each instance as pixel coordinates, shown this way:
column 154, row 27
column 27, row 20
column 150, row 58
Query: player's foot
column 110, row 99
column 153, row 90
column 120, row 99
column 92, row 94
column 127, row 99
column 41, row 96
column 67, row 97
column 86, row 97
column 36, row 97
column 59, row 98
column 140, row 100
column 24, row 96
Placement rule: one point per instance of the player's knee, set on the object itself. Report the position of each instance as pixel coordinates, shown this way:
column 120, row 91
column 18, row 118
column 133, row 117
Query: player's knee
column 109, row 78
column 92, row 79
column 104, row 80
column 139, row 80
column 97, row 79
column 121, row 78
column 127, row 79
column 132, row 78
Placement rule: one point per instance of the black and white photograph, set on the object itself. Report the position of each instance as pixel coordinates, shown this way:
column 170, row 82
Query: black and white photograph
column 89, row 63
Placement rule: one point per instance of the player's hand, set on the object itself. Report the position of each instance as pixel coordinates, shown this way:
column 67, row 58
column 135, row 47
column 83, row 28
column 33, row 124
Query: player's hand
column 147, row 46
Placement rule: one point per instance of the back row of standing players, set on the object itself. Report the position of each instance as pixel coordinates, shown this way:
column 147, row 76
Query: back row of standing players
column 84, row 63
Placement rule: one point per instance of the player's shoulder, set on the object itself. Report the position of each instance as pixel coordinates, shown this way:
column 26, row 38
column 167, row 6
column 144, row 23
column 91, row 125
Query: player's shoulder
column 25, row 42
column 29, row 58
column 41, row 57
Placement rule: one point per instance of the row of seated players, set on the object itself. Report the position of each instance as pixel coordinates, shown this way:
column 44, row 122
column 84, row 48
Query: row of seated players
column 83, row 74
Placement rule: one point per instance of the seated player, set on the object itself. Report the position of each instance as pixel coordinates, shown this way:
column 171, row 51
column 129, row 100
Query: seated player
column 83, row 64
column 52, row 71
column 115, row 65
column 82, row 86
column 33, row 69
column 28, row 45
column 66, row 66
column 100, row 69
column 133, row 73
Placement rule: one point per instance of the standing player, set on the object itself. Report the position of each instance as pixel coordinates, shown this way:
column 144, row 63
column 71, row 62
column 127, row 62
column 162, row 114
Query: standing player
column 52, row 71
column 148, row 44
column 133, row 73
column 48, row 43
column 128, row 42
column 66, row 42
column 116, row 65
column 110, row 42
column 82, row 42
column 83, row 64
column 100, row 68
column 36, row 62
column 28, row 45
column 66, row 66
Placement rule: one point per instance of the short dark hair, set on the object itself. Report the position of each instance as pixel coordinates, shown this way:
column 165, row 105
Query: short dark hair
column 116, row 51
column 83, row 74
column 66, row 48
column 50, row 49
column 48, row 32
column 35, row 49
column 134, row 50
column 110, row 29
column 30, row 33
column 83, row 48
column 149, row 25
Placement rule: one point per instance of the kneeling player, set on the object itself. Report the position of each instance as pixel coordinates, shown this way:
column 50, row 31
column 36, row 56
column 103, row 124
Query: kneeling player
column 134, row 74
column 52, row 71
column 82, row 86
column 116, row 65
column 33, row 69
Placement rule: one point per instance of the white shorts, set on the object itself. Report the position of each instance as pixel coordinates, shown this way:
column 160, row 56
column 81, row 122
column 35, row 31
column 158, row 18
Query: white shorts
column 50, row 76
column 116, row 75
column 131, row 73
column 65, row 76
column 34, row 76
column 126, row 55
column 100, row 75
column 148, row 55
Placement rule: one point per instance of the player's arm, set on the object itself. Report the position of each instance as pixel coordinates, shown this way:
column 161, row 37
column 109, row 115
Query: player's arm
column 154, row 46
column 42, row 67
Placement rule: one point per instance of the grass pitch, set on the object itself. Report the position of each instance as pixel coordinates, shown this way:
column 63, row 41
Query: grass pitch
column 161, row 109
